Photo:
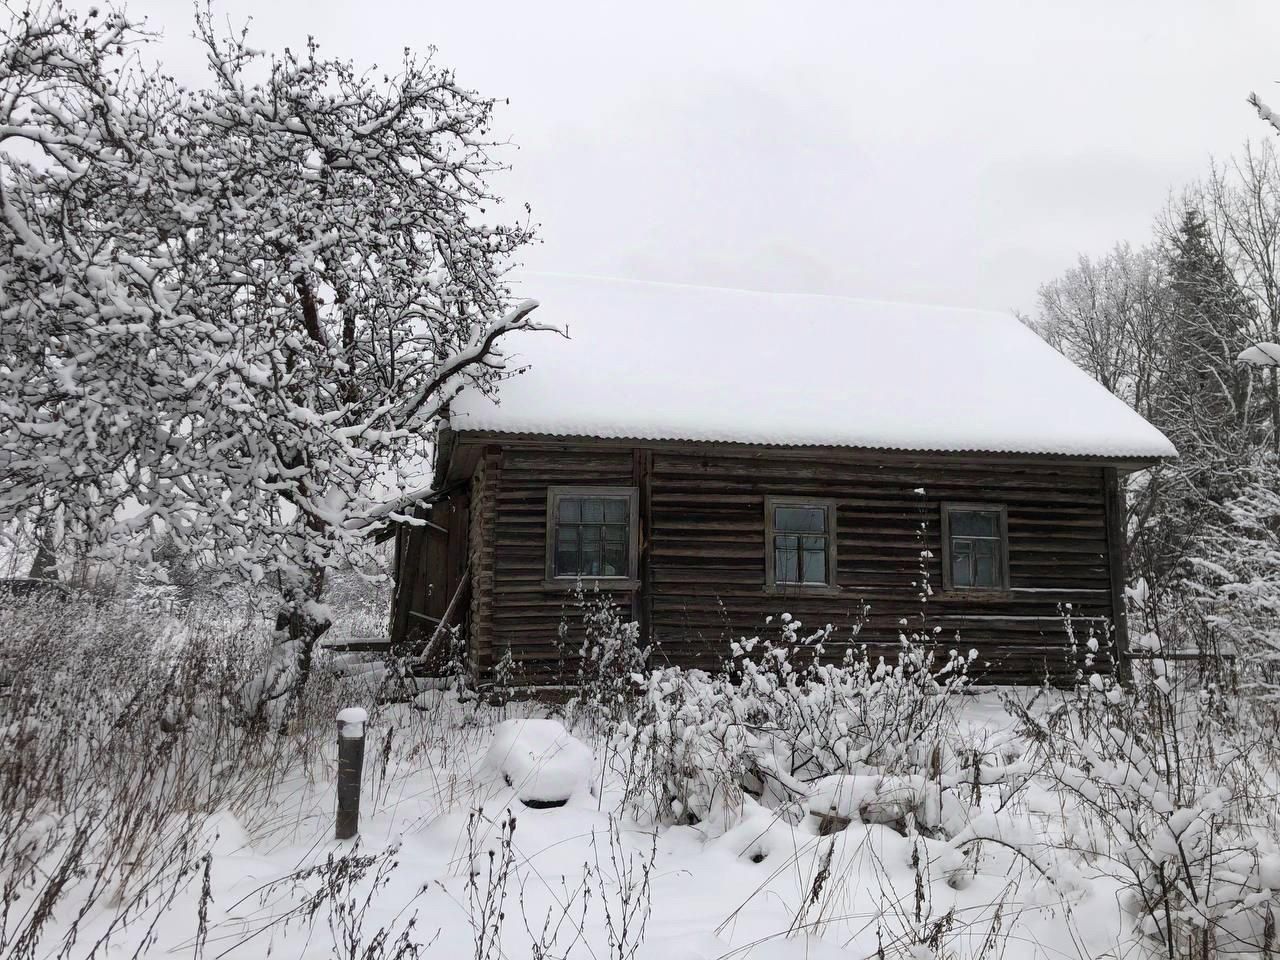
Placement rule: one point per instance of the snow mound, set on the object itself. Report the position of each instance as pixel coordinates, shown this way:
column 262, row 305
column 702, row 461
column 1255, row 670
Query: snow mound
column 888, row 800
column 541, row 761
column 758, row 835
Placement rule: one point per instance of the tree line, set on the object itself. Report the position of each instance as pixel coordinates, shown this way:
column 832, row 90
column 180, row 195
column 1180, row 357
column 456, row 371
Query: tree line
column 1162, row 326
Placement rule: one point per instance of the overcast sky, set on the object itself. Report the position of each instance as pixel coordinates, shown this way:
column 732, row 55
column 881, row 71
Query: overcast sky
column 955, row 153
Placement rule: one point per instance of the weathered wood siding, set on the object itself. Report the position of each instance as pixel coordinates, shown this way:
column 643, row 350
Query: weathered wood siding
column 708, row 546
column 421, row 562
column 481, row 541
column 526, row 616
column 430, row 589
column 703, row 548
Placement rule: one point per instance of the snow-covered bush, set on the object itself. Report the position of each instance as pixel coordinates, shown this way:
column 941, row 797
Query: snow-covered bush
column 816, row 717
column 1231, row 586
column 1173, row 799
column 686, row 749
column 907, row 802
column 609, row 657
column 780, row 716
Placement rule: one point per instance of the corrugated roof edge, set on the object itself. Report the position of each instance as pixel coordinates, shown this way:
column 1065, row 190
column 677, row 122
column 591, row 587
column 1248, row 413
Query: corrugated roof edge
column 1110, row 457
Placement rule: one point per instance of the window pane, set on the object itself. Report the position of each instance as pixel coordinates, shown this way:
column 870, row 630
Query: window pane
column 962, row 563
column 800, row 519
column 591, row 536
column 591, row 550
column 814, row 565
column 615, row 556
column 786, row 560
column 974, row 523
column 566, row 552
column 984, row 564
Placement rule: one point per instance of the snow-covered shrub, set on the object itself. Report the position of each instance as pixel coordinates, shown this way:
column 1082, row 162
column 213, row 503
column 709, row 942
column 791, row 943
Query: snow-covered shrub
column 906, row 802
column 609, row 657
column 781, row 716
column 1232, row 583
column 1172, row 800
column 814, row 717
column 687, row 750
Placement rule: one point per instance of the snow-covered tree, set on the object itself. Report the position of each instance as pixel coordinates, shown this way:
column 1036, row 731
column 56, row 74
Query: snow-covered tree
column 1241, row 205
column 230, row 313
column 1109, row 316
column 1112, row 317
column 1204, row 394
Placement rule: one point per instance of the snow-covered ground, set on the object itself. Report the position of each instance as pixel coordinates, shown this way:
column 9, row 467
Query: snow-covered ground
column 586, row 880
column 786, row 807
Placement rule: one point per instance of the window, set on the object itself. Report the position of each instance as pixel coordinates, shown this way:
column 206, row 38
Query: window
column 591, row 533
column 800, row 543
column 975, row 547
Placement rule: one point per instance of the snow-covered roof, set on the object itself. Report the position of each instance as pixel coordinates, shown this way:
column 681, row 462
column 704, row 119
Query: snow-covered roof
column 658, row 361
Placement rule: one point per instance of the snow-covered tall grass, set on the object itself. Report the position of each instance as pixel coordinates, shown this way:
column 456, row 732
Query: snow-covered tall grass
column 874, row 804
column 123, row 733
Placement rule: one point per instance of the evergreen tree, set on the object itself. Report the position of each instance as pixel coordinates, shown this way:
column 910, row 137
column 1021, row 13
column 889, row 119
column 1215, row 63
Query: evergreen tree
column 1204, row 395
column 1200, row 400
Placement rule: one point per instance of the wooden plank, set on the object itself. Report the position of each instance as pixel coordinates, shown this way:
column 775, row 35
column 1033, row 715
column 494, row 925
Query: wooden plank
column 1116, row 541
column 642, row 475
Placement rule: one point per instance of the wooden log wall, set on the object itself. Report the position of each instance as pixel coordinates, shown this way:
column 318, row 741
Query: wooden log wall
column 527, row 615
column 481, row 540
column 708, row 549
column 703, row 544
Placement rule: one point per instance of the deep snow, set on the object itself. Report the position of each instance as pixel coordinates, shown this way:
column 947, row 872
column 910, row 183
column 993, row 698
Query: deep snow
column 738, row 885
column 740, row 366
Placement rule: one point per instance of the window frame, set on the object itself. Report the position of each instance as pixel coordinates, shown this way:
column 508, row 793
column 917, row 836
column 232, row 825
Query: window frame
column 771, row 584
column 631, row 581
column 950, row 507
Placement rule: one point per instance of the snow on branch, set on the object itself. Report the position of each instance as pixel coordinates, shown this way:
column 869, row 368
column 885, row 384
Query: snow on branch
column 1261, row 355
column 230, row 313
column 1265, row 112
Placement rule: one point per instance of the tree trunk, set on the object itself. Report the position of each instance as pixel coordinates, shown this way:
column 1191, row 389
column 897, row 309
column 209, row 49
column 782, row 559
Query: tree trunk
column 299, row 627
column 45, row 565
column 1275, row 411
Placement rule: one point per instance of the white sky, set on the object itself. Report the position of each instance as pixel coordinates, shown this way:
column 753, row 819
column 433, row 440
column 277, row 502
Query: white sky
column 954, row 153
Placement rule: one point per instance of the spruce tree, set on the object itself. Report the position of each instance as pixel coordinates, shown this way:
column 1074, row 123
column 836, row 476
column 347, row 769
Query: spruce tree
column 1204, row 406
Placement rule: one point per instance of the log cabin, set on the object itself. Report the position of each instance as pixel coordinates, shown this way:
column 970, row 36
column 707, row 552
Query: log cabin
column 709, row 458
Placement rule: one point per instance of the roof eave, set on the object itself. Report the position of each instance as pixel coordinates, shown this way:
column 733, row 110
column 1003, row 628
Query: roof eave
column 1125, row 463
